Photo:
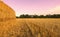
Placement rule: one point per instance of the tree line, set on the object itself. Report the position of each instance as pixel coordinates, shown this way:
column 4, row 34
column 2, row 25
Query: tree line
column 39, row 16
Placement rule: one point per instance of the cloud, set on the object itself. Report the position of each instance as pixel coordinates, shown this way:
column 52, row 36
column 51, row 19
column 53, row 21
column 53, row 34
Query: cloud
column 55, row 10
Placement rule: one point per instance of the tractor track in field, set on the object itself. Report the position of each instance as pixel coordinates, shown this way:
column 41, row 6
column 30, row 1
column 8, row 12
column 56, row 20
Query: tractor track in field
column 38, row 31
column 28, row 28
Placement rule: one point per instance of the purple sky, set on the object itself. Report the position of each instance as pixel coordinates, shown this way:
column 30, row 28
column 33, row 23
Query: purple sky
column 34, row 6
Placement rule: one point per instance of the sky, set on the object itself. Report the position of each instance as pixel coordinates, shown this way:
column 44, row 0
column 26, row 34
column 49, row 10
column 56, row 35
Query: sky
column 39, row 7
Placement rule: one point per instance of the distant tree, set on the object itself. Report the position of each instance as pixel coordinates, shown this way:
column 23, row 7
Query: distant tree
column 25, row 16
column 17, row 17
column 56, row 15
column 37, row 16
column 22, row 16
column 41, row 16
column 48, row 16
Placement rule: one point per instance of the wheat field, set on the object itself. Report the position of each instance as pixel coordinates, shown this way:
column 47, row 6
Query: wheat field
column 30, row 28
column 10, row 26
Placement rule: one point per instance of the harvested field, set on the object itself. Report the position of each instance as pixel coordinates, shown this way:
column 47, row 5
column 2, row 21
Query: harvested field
column 30, row 28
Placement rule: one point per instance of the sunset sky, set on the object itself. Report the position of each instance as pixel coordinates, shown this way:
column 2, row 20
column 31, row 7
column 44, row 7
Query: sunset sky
column 38, row 7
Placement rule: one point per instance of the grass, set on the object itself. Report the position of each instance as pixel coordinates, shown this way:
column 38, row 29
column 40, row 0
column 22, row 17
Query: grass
column 30, row 28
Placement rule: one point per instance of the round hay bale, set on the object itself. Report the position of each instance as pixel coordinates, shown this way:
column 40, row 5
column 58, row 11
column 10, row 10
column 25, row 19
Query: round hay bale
column 6, row 13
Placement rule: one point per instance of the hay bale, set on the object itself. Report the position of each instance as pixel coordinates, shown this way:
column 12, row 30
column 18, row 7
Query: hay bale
column 6, row 13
